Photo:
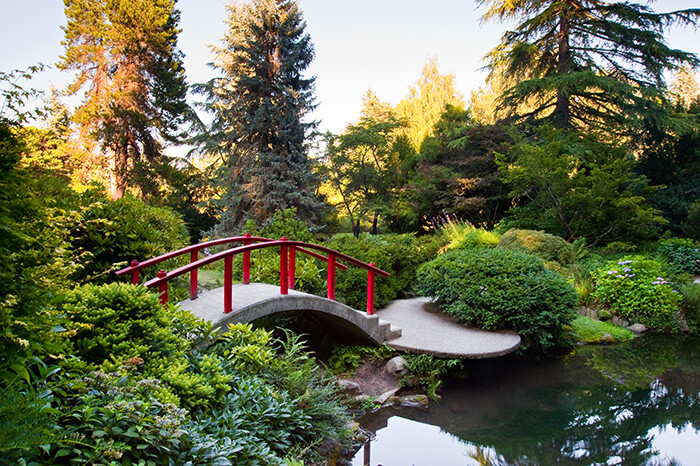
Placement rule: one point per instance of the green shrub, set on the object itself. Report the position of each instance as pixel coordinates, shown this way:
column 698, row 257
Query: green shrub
column 691, row 306
column 400, row 255
column 683, row 254
column 590, row 330
column 549, row 248
column 634, row 288
column 498, row 289
column 427, row 371
column 104, row 233
column 117, row 324
column 111, row 418
column 265, row 263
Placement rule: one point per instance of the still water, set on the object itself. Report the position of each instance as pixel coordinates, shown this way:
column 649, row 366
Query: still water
column 633, row 403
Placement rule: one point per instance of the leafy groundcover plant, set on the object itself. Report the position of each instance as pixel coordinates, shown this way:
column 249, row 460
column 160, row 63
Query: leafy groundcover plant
column 498, row 289
column 635, row 288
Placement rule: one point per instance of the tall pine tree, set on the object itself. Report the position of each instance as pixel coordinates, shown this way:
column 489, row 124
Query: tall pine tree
column 587, row 63
column 259, row 104
column 124, row 52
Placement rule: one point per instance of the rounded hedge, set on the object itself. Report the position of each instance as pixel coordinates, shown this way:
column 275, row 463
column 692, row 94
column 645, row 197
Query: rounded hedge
column 497, row 289
column 549, row 248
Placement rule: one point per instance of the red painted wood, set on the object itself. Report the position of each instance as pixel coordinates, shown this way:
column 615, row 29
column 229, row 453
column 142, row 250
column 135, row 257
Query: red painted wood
column 292, row 266
column 331, row 277
column 163, row 287
column 228, row 284
column 284, row 267
column 135, row 273
column 194, row 256
column 370, row 290
column 246, row 260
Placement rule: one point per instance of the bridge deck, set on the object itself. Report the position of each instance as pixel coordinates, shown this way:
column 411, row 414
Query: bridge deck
column 422, row 329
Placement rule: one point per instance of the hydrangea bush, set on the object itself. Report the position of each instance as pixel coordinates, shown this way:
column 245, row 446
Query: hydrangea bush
column 636, row 289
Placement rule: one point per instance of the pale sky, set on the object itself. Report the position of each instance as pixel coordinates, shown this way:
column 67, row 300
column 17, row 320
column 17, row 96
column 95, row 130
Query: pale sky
column 380, row 45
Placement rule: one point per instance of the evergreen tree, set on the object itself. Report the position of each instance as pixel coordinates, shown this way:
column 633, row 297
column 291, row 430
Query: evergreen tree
column 259, row 104
column 124, row 52
column 587, row 63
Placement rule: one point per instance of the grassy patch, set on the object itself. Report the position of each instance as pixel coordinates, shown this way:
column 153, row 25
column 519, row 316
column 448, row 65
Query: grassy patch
column 590, row 330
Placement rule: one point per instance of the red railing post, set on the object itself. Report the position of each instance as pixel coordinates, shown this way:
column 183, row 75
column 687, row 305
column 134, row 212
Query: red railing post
column 292, row 266
column 228, row 284
column 370, row 290
column 246, row 260
column 284, row 268
column 163, row 288
column 135, row 273
column 194, row 256
column 331, row 276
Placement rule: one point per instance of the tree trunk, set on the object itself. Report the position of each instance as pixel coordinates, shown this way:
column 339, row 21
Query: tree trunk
column 117, row 179
column 562, row 111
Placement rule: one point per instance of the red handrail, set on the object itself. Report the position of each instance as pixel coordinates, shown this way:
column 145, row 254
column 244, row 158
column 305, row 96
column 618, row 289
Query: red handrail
column 135, row 267
column 287, row 248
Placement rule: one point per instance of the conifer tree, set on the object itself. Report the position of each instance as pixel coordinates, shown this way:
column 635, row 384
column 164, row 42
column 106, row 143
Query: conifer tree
column 587, row 63
column 259, row 105
column 124, row 52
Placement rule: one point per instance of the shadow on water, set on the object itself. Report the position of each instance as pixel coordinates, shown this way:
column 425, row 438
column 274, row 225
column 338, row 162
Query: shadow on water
column 636, row 403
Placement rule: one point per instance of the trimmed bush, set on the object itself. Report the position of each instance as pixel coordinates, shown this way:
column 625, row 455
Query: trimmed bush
column 636, row 289
column 549, row 248
column 498, row 289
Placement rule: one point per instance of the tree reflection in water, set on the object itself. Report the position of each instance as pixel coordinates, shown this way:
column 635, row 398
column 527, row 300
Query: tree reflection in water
column 599, row 405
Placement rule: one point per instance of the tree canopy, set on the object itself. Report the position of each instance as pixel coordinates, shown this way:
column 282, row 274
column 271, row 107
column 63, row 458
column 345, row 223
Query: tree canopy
column 127, row 63
column 259, row 104
column 587, row 63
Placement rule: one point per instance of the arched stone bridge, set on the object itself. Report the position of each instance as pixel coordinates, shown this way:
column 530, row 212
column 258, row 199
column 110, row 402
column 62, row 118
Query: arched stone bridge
column 408, row 325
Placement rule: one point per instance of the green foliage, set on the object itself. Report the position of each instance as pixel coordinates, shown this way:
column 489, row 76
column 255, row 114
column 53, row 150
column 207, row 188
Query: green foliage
column 134, row 81
column 103, row 233
column 427, row 370
column 110, row 417
column 547, row 247
column 346, row 359
column 400, row 255
column 573, row 186
column 634, row 287
column 456, row 172
column 501, row 289
column 259, row 128
column 590, row 330
column 593, row 66
column 265, row 264
column 691, row 306
column 362, row 167
column 124, row 325
column 454, row 233
column 682, row 254
column 691, row 227
column 25, row 423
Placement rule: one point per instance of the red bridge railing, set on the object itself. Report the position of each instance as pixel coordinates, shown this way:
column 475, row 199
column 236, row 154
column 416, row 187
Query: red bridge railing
column 288, row 250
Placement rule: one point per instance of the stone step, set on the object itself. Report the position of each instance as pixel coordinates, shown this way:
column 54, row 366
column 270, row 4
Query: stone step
column 388, row 331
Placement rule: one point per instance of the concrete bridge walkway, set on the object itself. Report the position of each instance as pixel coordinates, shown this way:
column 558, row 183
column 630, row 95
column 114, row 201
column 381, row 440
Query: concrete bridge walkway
column 411, row 325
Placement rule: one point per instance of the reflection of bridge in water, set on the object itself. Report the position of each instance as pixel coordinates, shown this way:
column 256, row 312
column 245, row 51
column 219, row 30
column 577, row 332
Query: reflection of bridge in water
column 407, row 325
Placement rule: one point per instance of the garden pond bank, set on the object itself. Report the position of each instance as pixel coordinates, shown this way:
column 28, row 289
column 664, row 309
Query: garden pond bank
column 637, row 402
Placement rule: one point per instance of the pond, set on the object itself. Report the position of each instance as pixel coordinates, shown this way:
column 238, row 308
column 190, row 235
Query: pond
column 632, row 403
